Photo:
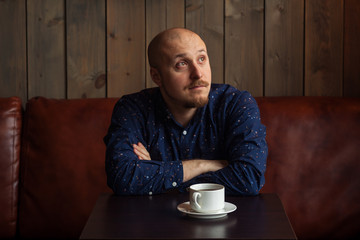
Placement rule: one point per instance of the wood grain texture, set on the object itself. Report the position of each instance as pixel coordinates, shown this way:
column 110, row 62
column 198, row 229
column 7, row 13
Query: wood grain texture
column 206, row 18
column 268, row 47
column 13, row 49
column 175, row 16
column 161, row 15
column 244, row 44
column 352, row 49
column 46, row 48
column 323, row 47
column 126, row 50
column 155, row 22
column 85, row 25
column 284, row 55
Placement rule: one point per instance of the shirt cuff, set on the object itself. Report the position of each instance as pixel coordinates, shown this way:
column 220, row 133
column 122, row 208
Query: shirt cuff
column 173, row 174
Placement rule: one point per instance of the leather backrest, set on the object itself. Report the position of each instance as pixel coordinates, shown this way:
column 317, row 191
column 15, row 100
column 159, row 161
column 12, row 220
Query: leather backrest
column 312, row 165
column 314, row 162
column 10, row 140
column 63, row 165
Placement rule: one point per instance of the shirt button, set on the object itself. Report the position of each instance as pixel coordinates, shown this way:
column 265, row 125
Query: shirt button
column 174, row 184
column 184, row 132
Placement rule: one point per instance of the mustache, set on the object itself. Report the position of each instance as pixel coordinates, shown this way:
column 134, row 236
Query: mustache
column 198, row 83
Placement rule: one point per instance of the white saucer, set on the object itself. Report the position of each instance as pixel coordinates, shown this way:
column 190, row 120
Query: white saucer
column 186, row 208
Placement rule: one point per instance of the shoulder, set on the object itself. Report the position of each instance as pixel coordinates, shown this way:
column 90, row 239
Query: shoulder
column 226, row 94
column 145, row 95
column 138, row 101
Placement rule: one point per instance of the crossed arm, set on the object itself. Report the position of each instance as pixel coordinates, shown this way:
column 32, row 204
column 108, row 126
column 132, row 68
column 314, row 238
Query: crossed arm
column 191, row 168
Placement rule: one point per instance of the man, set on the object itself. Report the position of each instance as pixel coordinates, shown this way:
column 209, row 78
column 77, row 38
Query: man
column 187, row 130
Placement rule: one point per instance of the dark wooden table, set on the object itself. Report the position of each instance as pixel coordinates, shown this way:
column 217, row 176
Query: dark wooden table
column 157, row 217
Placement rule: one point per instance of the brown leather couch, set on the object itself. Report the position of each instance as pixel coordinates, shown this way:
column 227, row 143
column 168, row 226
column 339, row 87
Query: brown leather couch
column 49, row 189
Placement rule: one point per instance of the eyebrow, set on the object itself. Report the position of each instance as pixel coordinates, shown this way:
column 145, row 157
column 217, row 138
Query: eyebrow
column 181, row 55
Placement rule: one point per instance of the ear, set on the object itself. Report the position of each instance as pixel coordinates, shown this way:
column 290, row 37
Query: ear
column 155, row 76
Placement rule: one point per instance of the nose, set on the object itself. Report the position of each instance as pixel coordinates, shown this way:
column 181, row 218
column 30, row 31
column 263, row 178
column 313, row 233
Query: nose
column 196, row 72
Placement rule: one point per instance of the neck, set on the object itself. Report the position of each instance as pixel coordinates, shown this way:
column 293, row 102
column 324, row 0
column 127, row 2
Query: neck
column 183, row 115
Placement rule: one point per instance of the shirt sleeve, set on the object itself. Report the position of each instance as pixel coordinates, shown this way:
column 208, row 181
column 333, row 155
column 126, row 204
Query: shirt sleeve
column 126, row 174
column 246, row 149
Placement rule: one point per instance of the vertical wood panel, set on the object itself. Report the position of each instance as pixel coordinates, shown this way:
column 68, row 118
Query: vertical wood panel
column 206, row 18
column 324, row 47
column 13, row 49
column 352, row 49
column 85, row 48
column 284, row 41
column 175, row 16
column 46, row 48
column 161, row 15
column 244, row 44
column 125, row 47
column 233, row 30
column 155, row 23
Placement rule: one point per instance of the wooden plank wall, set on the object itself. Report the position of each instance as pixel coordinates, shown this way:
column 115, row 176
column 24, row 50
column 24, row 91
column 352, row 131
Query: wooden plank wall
column 97, row 48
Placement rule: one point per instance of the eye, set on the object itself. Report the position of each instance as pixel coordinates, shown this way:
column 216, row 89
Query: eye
column 202, row 59
column 181, row 64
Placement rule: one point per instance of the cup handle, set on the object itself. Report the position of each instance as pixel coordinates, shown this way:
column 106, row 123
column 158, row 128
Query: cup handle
column 195, row 197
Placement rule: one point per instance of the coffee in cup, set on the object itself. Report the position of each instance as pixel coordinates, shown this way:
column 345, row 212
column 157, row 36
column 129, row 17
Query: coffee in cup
column 207, row 197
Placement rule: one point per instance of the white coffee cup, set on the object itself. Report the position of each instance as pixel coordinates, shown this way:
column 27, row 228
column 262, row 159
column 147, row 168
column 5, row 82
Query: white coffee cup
column 207, row 197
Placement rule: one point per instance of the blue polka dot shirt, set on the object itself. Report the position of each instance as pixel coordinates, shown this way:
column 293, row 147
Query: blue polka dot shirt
column 227, row 128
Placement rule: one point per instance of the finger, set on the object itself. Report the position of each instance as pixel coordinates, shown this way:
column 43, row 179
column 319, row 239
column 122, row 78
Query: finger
column 141, row 145
column 138, row 153
column 141, row 152
column 141, row 149
column 144, row 151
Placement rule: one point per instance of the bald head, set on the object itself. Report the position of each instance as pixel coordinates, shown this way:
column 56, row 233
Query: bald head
column 164, row 41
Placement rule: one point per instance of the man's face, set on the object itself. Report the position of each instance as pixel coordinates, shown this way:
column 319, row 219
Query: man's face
column 184, row 71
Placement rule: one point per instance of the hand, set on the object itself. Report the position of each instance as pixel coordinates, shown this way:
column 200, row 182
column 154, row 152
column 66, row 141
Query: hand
column 141, row 151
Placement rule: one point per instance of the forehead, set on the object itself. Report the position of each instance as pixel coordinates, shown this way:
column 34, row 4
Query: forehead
column 183, row 43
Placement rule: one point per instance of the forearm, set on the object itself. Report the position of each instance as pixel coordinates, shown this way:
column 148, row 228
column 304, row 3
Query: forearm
column 133, row 172
column 142, row 177
column 238, row 178
column 195, row 167
column 191, row 168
